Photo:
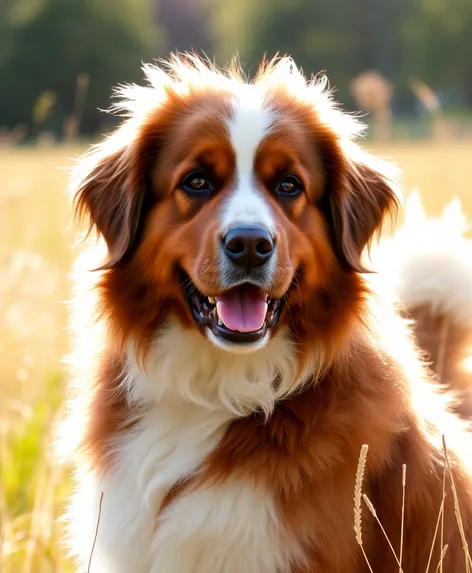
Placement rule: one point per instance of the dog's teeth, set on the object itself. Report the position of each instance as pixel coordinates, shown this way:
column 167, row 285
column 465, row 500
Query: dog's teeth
column 215, row 316
column 211, row 300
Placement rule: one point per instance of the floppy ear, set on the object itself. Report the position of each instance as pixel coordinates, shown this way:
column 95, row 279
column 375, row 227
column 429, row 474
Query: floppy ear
column 359, row 200
column 110, row 187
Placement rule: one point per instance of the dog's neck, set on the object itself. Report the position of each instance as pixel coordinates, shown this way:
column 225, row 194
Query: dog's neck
column 182, row 365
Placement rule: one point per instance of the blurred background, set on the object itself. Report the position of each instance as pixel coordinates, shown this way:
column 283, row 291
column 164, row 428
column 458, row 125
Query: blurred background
column 407, row 64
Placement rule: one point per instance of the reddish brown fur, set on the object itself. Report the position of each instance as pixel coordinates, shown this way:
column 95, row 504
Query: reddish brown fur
column 306, row 453
column 109, row 415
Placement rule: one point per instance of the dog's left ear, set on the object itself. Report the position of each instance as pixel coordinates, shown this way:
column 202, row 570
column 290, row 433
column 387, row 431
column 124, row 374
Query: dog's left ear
column 361, row 195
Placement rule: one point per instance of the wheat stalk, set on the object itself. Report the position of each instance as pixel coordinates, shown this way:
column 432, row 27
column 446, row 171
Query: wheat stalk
column 403, row 515
column 358, row 501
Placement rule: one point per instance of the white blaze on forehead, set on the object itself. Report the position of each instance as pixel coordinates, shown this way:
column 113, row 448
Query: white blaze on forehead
column 249, row 125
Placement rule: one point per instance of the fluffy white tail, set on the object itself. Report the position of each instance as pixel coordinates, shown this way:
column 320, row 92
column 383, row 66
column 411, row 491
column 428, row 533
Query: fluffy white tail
column 431, row 260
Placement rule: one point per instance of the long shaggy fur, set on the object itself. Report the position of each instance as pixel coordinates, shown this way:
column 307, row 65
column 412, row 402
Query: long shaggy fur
column 205, row 454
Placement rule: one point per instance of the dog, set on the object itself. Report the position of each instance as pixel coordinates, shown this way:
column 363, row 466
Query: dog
column 429, row 263
column 238, row 359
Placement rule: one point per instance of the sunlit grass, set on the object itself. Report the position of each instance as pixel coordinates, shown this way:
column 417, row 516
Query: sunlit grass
column 35, row 254
column 359, row 497
column 35, row 257
column 439, row 170
column 33, row 486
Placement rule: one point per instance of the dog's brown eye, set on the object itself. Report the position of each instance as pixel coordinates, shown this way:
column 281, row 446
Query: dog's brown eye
column 289, row 185
column 196, row 183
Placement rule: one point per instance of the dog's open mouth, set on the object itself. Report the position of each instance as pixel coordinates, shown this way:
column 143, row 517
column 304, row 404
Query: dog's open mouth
column 243, row 314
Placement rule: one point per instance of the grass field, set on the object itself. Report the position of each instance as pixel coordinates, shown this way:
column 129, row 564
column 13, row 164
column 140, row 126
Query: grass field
column 35, row 256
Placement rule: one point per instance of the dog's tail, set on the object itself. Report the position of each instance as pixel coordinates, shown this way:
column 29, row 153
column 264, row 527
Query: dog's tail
column 432, row 261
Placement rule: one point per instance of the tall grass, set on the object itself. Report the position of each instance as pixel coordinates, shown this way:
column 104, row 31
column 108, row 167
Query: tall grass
column 33, row 487
column 359, row 496
column 35, row 257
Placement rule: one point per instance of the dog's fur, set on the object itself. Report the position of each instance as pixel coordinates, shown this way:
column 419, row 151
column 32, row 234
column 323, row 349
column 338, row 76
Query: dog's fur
column 214, row 457
column 430, row 268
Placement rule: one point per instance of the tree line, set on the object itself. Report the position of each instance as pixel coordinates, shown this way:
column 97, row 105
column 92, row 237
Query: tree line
column 60, row 58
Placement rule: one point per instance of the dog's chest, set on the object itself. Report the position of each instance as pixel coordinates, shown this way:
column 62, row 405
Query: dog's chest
column 230, row 528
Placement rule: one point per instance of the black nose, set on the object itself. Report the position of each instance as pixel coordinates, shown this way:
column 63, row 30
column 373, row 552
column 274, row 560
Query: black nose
column 248, row 247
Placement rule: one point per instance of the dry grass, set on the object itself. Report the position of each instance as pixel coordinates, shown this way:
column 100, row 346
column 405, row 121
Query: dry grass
column 441, row 171
column 35, row 256
column 358, row 496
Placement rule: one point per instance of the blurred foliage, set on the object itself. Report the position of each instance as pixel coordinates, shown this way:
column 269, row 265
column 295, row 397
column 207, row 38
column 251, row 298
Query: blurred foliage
column 46, row 44
column 402, row 39
column 43, row 106
column 61, row 39
column 185, row 25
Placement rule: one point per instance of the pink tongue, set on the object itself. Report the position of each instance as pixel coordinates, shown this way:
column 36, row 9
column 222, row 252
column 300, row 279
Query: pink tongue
column 242, row 309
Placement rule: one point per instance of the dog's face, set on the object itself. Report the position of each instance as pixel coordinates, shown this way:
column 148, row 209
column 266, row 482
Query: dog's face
column 235, row 208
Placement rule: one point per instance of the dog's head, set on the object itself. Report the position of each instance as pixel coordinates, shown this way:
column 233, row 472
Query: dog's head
column 235, row 207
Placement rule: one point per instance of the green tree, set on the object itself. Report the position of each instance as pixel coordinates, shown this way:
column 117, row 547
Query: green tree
column 436, row 42
column 64, row 40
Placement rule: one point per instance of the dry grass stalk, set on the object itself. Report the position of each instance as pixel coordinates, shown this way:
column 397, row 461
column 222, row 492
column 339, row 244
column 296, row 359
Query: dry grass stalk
column 443, row 553
column 439, row 520
column 460, row 524
column 442, row 514
column 96, row 533
column 358, row 501
column 403, row 515
column 374, row 513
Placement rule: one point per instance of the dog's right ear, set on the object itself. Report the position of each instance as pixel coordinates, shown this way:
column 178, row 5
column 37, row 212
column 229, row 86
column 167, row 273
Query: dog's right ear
column 109, row 188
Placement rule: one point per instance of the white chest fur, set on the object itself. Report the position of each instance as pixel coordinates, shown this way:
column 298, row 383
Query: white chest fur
column 163, row 449
column 189, row 403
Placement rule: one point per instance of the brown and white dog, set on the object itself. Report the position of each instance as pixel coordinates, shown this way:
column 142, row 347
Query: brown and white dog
column 239, row 358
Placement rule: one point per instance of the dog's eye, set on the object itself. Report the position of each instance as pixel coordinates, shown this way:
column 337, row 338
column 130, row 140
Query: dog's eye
column 289, row 185
column 196, row 183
